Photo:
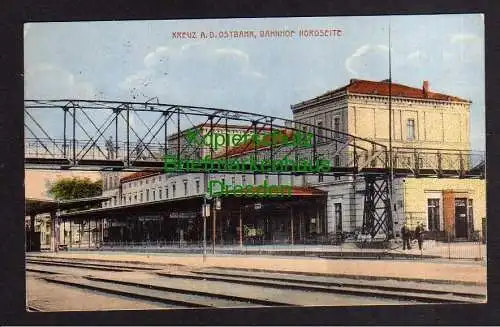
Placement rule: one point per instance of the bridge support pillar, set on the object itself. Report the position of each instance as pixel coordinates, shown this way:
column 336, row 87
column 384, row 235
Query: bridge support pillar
column 54, row 232
column 377, row 214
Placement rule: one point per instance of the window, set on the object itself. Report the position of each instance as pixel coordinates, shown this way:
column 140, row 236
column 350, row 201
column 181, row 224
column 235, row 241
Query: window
column 320, row 178
column 154, row 195
column 116, row 181
column 129, row 199
column 135, row 198
column 244, row 180
column 147, row 195
column 338, row 217
column 166, row 192
column 320, row 131
column 337, row 177
column 159, row 194
column 173, row 190
column 141, row 182
column 185, row 187
column 147, row 181
column 411, row 129
column 433, row 214
column 266, row 178
column 336, row 125
column 337, row 161
column 197, row 186
column 114, row 200
column 141, row 197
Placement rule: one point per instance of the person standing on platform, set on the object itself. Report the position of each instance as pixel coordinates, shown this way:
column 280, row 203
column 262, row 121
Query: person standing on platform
column 419, row 235
column 405, row 234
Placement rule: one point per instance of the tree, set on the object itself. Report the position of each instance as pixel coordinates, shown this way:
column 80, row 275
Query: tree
column 74, row 188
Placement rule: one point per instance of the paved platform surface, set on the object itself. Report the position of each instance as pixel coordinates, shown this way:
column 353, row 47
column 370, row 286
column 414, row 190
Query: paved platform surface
column 443, row 271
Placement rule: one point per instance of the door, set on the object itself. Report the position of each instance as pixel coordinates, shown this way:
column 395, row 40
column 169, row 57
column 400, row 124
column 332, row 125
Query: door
column 461, row 217
column 433, row 215
column 338, row 217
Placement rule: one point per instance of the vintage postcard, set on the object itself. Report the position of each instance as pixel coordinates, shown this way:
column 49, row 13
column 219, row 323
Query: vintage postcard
column 223, row 163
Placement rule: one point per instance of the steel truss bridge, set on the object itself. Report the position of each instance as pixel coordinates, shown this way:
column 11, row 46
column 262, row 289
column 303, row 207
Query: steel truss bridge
column 131, row 136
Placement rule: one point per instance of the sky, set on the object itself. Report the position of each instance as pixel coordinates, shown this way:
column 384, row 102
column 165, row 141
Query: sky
column 139, row 60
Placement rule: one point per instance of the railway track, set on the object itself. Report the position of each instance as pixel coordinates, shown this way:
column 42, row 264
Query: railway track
column 223, row 288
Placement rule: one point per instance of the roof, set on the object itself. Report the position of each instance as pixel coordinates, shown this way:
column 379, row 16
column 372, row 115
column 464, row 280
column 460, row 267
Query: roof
column 181, row 204
column 207, row 125
column 37, row 206
column 250, row 144
column 306, row 191
column 138, row 175
column 381, row 88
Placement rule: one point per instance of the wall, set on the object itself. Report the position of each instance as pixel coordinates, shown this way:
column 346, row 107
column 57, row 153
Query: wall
column 443, row 125
column 351, row 199
column 416, row 193
column 325, row 112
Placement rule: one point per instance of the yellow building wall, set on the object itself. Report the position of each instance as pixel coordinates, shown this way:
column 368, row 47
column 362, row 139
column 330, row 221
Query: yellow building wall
column 437, row 125
column 416, row 191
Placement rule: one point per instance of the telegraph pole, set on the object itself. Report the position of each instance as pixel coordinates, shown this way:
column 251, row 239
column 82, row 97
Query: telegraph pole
column 391, row 168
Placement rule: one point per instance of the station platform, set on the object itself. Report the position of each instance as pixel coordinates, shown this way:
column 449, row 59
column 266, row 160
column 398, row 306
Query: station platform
column 459, row 251
column 438, row 271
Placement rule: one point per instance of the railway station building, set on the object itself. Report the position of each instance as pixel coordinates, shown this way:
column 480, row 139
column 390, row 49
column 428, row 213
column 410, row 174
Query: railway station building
column 152, row 206
column 422, row 121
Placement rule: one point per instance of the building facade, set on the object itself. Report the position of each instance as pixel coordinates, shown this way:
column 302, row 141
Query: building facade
column 422, row 120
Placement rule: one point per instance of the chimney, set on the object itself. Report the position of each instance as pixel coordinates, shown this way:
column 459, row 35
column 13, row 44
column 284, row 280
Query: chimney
column 425, row 87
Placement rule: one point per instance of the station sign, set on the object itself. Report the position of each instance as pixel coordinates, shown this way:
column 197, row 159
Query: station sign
column 183, row 215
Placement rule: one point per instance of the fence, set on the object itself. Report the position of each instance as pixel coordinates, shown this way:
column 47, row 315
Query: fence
column 432, row 249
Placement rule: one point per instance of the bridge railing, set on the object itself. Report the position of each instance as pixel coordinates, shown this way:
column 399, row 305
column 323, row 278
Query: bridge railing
column 438, row 160
column 338, row 154
column 83, row 149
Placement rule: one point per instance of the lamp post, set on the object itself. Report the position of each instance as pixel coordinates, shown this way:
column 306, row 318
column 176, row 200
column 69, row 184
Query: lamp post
column 205, row 212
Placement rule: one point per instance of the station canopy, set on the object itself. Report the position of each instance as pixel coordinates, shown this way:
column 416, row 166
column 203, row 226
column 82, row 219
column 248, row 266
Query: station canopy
column 35, row 206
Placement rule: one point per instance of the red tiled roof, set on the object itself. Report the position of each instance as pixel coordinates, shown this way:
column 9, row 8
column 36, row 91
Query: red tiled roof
column 138, row 175
column 381, row 88
column 305, row 191
column 250, row 145
column 397, row 90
